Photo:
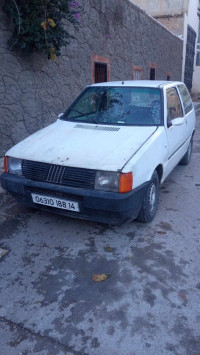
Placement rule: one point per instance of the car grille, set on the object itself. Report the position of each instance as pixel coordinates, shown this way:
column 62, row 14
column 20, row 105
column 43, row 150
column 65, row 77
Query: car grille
column 57, row 174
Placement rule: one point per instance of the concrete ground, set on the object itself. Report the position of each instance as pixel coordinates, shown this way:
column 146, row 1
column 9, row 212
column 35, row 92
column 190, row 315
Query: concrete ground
column 149, row 304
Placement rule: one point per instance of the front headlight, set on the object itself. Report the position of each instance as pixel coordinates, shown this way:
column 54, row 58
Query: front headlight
column 14, row 166
column 114, row 182
column 107, row 181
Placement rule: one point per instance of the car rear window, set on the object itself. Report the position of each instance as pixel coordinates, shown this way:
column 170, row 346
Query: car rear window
column 187, row 102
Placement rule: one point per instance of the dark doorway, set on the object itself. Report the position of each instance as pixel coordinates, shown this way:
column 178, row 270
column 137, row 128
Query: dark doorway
column 152, row 74
column 189, row 59
column 100, row 72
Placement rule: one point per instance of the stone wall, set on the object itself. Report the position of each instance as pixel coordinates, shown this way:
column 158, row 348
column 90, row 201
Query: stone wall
column 34, row 90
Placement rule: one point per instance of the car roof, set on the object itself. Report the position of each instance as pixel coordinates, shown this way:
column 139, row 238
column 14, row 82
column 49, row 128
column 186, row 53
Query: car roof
column 138, row 83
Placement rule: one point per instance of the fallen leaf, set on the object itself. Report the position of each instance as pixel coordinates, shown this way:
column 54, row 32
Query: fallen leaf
column 108, row 249
column 3, row 252
column 184, row 298
column 53, row 57
column 99, row 277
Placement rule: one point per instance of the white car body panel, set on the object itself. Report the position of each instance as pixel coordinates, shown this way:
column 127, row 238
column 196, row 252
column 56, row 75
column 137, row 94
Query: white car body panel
column 146, row 160
column 62, row 143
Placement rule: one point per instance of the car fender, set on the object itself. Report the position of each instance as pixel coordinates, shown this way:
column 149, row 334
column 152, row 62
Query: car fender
column 152, row 154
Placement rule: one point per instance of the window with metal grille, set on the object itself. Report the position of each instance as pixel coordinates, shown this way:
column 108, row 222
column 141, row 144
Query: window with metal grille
column 137, row 73
column 100, row 68
column 100, row 72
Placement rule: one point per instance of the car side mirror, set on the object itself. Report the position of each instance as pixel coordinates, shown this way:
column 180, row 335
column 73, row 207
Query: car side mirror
column 60, row 115
column 177, row 121
column 169, row 123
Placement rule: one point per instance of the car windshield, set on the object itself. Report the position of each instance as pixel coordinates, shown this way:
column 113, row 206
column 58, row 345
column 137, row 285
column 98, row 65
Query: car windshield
column 117, row 105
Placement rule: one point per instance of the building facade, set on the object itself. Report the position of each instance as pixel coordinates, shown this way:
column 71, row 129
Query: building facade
column 182, row 17
column 116, row 41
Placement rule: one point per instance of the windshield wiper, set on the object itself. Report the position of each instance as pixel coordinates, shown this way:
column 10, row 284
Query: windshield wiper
column 84, row 114
column 80, row 113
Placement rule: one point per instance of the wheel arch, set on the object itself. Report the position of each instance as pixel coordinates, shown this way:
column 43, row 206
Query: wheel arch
column 159, row 170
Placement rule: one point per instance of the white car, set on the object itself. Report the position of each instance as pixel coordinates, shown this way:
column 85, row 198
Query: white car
column 105, row 157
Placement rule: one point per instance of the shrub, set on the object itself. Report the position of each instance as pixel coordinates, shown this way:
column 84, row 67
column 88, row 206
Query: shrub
column 41, row 25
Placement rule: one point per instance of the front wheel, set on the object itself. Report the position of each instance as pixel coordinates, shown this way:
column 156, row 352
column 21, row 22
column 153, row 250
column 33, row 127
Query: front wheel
column 150, row 202
column 186, row 158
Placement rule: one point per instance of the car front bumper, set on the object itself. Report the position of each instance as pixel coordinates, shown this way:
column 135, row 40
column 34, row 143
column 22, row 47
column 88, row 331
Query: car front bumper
column 99, row 206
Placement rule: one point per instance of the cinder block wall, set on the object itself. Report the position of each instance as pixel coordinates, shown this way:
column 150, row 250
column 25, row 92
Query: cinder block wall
column 34, row 90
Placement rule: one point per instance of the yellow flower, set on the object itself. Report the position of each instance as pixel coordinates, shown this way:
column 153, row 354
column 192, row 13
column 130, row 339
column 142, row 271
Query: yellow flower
column 53, row 55
column 51, row 22
column 44, row 25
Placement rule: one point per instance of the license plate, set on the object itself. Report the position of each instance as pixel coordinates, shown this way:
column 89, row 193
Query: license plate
column 56, row 202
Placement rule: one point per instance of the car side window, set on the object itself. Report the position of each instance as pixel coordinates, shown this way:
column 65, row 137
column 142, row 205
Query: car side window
column 174, row 108
column 187, row 102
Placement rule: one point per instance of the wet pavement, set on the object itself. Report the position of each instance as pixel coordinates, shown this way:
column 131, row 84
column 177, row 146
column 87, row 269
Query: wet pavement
column 149, row 304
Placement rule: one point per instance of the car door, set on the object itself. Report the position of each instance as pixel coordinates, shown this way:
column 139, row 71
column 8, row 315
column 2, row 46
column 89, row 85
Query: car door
column 176, row 127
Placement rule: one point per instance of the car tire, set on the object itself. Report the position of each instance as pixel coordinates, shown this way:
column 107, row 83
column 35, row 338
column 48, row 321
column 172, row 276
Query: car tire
column 187, row 157
column 150, row 202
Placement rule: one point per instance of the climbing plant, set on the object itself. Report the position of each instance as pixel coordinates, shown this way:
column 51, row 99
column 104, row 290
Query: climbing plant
column 42, row 25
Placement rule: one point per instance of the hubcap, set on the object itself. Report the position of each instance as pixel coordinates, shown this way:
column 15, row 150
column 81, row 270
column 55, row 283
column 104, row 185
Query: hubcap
column 152, row 197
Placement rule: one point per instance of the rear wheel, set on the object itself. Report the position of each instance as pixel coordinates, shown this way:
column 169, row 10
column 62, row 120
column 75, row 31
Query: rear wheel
column 150, row 202
column 187, row 157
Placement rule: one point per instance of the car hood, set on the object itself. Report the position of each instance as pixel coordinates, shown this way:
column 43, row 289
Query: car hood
column 83, row 145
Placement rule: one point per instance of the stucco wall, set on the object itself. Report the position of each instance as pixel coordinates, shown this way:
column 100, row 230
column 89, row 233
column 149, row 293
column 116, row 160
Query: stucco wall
column 163, row 7
column 34, row 90
column 174, row 23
